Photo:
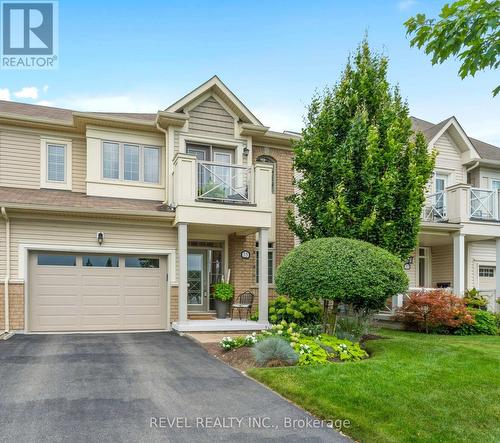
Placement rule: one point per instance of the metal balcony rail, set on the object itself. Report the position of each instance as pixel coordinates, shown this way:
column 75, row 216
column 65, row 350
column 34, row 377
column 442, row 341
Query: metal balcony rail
column 223, row 183
column 484, row 204
column 435, row 207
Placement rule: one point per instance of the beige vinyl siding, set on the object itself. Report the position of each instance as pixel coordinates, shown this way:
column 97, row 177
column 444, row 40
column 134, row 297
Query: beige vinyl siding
column 176, row 141
column 82, row 232
column 412, row 272
column 210, row 118
column 19, row 159
column 486, row 177
column 449, row 158
column 479, row 251
column 442, row 264
column 79, row 147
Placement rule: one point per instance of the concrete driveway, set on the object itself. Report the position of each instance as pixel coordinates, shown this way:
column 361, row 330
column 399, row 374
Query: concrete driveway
column 143, row 387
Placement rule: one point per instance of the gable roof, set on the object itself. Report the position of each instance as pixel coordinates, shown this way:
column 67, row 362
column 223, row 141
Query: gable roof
column 216, row 86
column 430, row 130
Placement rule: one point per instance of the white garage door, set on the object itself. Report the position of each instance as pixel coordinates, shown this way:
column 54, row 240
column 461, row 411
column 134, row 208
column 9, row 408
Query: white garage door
column 90, row 292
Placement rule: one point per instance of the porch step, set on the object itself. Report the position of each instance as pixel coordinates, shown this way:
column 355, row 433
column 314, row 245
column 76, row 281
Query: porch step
column 201, row 316
column 218, row 325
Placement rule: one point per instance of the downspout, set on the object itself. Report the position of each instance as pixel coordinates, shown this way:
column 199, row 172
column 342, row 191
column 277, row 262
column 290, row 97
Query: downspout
column 474, row 166
column 167, row 163
column 7, row 270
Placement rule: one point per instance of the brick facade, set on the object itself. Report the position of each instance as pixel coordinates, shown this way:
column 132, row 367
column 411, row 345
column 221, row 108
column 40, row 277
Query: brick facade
column 174, row 303
column 243, row 271
column 16, row 307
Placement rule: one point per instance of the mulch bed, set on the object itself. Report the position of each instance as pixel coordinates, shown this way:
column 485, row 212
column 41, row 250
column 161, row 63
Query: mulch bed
column 240, row 358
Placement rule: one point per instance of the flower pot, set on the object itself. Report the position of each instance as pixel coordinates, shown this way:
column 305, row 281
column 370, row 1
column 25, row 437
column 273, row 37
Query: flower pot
column 221, row 308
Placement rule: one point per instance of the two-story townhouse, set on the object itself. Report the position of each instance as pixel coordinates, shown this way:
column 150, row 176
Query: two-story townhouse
column 459, row 240
column 122, row 221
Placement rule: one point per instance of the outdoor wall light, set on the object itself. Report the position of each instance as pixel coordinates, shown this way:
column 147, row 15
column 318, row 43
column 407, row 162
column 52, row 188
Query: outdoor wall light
column 100, row 237
column 246, row 151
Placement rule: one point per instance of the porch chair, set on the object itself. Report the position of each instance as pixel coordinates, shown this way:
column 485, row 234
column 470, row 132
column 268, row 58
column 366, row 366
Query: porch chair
column 244, row 301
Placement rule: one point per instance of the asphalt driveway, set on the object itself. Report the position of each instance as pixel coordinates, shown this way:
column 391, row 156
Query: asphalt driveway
column 143, row 387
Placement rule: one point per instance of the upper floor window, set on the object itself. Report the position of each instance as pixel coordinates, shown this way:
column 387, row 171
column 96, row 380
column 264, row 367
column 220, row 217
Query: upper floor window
column 55, row 167
column 131, row 162
column 56, row 162
column 271, row 161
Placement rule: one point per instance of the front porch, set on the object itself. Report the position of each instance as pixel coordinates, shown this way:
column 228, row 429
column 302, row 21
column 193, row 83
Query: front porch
column 449, row 257
column 218, row 325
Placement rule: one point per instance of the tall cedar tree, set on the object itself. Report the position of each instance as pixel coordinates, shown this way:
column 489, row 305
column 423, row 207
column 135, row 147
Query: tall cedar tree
column 362, row 170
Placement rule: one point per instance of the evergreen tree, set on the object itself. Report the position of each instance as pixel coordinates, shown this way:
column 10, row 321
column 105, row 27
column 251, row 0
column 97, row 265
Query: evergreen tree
column 363, row 172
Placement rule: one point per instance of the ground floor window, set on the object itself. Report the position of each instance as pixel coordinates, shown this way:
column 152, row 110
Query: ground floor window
column 486, row 271
column 423, row 267
column 271, row 261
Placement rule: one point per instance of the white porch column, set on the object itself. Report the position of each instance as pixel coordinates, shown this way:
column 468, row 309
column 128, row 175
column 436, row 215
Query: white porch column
column 497, row 274
column 263, row 273
column 459, row 264
column 182, row 246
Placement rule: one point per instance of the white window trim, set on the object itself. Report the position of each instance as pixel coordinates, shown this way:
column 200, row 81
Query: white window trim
column 121, row 164
column 273, row 251
column 450, row 177
column 67, row 184
column 206, row 140
column 492, row 181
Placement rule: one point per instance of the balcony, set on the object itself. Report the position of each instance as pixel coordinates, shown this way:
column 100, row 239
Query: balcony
column 462, row 203
column 210, row 193
column 223, row 183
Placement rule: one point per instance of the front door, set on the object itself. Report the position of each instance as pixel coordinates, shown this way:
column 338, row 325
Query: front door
column 196, row 275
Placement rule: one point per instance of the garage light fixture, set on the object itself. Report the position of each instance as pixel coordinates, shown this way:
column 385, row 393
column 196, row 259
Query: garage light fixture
column 100, row 237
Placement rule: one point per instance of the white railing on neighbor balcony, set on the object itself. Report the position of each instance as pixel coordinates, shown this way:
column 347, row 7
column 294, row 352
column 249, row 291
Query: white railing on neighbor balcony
column 435, row 209
column 484, row 204
column 223, row 182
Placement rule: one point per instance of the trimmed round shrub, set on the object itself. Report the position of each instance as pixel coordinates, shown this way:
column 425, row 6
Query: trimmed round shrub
column 275, row 351
column 343, row 270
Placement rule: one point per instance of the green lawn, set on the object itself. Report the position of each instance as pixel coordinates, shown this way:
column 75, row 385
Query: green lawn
column 414, row 387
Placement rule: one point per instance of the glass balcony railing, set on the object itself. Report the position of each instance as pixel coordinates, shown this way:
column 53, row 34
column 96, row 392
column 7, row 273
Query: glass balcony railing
column 223, row 182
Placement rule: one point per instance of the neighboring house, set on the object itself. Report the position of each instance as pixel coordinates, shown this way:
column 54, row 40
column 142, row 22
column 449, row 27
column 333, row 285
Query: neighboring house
column 459, row 240
column 121, row 221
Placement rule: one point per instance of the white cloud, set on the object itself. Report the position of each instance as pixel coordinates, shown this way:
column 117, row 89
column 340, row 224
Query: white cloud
column 403, row 5
column 111, row 103
column 27, row 92
column 4, row 94
column 44, row 103
column 45, row 88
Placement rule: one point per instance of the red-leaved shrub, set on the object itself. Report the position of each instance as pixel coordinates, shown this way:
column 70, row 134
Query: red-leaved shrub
column 434, row 311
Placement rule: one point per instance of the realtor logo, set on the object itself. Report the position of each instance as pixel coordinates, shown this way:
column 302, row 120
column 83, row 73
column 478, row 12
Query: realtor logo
column 29, row 35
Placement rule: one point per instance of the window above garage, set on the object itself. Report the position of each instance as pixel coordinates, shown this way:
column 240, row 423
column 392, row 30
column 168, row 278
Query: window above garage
column 131, row 162
column 56, row 164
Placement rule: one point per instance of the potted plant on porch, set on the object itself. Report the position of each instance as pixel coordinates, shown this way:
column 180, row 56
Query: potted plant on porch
column 223, row 294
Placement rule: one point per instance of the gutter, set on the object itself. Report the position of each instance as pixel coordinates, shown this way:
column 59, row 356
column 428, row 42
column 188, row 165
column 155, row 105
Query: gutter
column 91, row 212
column 474, row 166
column 7, row 271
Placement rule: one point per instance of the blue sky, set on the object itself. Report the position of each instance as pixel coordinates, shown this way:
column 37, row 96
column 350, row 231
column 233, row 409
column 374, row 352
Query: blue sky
column 140, row 56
